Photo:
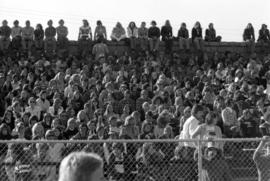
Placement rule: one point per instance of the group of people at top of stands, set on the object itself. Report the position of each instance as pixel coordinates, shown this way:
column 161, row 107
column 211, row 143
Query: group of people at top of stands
column 27, row 36
column 146, row 94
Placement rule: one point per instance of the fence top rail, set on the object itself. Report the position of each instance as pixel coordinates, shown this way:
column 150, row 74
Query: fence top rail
column 132, row 141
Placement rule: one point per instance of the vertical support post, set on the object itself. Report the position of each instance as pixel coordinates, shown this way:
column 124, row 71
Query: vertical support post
column 199, row 159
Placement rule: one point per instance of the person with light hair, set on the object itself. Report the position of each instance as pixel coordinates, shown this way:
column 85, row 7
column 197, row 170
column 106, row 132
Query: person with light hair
column 81, row 166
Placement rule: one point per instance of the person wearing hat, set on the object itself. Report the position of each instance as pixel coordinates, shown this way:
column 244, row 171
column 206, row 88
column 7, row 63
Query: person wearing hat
column 261, row 158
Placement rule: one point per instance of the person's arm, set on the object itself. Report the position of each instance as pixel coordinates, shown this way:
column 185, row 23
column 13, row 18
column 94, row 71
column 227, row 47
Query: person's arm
column 80, row 33
column 90, row 33
column 193, row 126
column 198, row 131
column 259, row 149
column 95, row 34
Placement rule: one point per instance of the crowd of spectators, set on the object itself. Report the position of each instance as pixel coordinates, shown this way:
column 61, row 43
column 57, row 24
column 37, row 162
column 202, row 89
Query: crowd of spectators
column 143, row 94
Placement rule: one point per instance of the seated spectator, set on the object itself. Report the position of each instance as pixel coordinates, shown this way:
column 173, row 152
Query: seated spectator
column 27, row 37
column 183, row 37
column 118, row 33
column 249, row 37
column 16, row 34
column 100, row 32
column 230, row 123
column 264, row 35
column 5, row 32
column 265, row 127
column 210, row 34
column 85, row 38
column 33, row 108
column 39, row 36
column 132, row 32
column 85, row 32
column 154, row 35
column 209, row 130
column 167, row 36
column 248, row 125
column 50, row 41
column 143, row 36
column 62, row 33
column 197, row 36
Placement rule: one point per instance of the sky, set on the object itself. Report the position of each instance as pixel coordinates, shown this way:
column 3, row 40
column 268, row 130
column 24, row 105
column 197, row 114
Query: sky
column 230, row 17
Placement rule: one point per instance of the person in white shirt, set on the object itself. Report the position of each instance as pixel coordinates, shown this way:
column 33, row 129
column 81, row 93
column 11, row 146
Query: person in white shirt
column 190, row 127
column 33, row 108
column 56, row 108
column 132, row 32
column 42, row 102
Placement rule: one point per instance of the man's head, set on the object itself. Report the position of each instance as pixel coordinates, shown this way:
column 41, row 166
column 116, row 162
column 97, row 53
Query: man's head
column 198, row 111
column 61, row 22
column 50, row 22
column 81, row 166
column 27, row 23
column 16, row 23
column 4, row 23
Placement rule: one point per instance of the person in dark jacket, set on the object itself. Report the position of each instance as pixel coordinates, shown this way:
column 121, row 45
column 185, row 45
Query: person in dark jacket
column 183, row 37
column 5, row 32
column 39, row 36
column 264, row 35
column 154, row 35
column 197, row 36
column 167, row 36
column 249, row 37
column 210, row 34
column 50, row 33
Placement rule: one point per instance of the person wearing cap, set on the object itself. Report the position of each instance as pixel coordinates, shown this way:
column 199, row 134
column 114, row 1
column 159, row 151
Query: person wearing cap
column 81, row 166
column 62, row 32
column 50, row 40
column 27, row 36
column 5, row 32
column 261, row 158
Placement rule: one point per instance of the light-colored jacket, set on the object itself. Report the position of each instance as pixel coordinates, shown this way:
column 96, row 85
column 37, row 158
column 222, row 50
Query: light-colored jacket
column 132, row 33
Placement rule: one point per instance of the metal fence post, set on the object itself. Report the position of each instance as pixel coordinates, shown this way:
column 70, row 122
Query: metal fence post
column 200, row 160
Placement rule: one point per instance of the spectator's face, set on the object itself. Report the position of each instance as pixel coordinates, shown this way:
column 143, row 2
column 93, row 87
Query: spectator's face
column 55, row 123
column 50, row 23
column 200, row 115
column 113, row 122
column 27, row 24
column 211, row 153
column 83, row 130
column 143, row 24
column 4, row 23
column 71, row 125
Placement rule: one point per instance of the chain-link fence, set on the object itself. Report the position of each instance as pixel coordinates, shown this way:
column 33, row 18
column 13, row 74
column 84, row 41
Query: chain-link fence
column 135, row 160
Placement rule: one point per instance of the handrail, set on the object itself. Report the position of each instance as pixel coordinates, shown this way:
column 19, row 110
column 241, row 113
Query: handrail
column 133, row 141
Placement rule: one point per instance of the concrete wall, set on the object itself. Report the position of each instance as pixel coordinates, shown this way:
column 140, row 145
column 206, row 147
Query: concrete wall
column 240, row 47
